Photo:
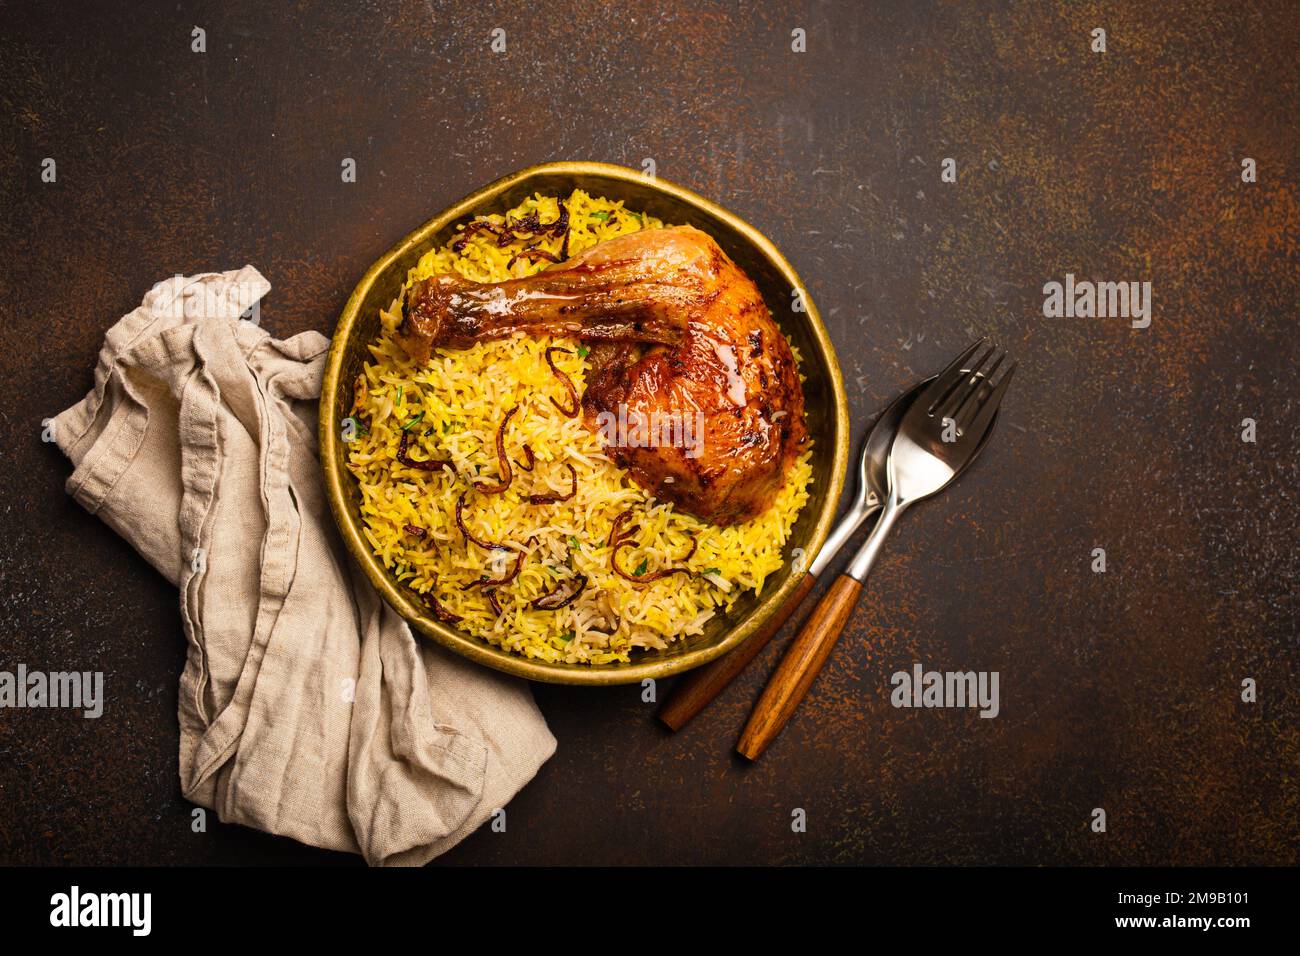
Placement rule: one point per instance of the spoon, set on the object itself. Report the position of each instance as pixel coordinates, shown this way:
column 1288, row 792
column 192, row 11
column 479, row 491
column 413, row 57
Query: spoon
column 696, row 690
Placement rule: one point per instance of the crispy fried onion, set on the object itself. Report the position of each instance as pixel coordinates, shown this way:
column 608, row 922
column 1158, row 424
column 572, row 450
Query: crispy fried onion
column 415, row 531
column 460, row 523
column 616, row 531
column 497, row 582
column 481, row 225
column 440, row 612
column 567, row 382
column 503, row 461
column 564, row 594
column 531, row 225
column 532, row 254
column 561, row 225
column 433, row 464
column 626, row 542
column 528, row 227
column 552, row 498
column 529, row 457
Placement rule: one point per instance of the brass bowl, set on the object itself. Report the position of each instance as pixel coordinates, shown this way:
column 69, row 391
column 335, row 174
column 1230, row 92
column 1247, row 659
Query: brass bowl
column 828, row 416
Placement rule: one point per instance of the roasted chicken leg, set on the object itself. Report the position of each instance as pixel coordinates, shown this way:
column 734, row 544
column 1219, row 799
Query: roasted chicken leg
column 693, row 388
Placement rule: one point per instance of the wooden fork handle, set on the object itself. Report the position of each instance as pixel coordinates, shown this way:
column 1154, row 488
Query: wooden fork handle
column 694, row 691
column 799, row 666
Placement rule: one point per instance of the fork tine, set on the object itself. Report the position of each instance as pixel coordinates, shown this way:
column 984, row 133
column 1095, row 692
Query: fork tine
column 968, row 383
column 946, row 379
column 985, row 414
column 966, row 411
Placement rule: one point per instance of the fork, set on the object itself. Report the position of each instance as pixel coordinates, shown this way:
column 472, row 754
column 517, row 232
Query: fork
column 940, row 432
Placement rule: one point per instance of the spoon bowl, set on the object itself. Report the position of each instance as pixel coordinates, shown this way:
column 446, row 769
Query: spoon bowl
column 873, row 477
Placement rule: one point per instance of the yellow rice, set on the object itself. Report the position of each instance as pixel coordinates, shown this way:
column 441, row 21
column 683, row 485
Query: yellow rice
column 462, row 396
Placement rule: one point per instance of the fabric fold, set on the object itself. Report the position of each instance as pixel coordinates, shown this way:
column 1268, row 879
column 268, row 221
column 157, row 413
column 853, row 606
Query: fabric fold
column 307, row 706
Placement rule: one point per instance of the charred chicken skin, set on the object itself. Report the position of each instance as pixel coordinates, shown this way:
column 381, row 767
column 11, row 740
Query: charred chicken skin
column 692, row 386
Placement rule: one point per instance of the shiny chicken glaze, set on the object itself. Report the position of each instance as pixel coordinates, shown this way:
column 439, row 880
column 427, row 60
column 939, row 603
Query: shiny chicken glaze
column 692, row 386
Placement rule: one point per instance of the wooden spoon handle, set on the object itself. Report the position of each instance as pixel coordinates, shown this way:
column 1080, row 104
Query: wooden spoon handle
column 799, row 667
column 697, row 689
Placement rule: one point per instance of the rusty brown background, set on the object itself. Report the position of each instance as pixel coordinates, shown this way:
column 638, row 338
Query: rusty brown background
column 1119, row 690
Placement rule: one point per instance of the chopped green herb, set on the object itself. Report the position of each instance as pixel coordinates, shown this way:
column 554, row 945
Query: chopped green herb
column 640, row 568
column 413, row 422
column 583, row 351
column 600, row 216
column 574, row 545
column 712, row 571
column 398, row 403
column 565, row 637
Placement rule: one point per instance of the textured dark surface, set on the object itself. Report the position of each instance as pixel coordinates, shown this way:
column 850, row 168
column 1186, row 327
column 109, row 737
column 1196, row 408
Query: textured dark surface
column 1119, row 690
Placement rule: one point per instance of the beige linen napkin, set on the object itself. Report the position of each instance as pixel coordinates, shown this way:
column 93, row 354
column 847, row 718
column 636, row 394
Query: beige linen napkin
column 307, row 707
